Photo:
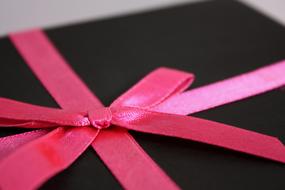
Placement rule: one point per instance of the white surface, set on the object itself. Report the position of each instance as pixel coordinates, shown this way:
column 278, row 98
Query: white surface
column 272, row 8
column 23, row 14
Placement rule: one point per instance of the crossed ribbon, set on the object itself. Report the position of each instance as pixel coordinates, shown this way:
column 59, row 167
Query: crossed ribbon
column 156, row 105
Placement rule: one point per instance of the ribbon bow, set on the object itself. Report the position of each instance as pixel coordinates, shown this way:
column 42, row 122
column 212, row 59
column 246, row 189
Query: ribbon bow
column 155, row 105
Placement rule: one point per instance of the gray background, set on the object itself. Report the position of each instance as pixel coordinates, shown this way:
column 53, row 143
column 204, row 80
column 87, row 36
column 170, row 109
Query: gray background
column 18, row 15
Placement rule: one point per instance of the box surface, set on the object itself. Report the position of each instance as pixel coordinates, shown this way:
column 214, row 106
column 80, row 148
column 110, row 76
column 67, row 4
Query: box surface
column 214, row 40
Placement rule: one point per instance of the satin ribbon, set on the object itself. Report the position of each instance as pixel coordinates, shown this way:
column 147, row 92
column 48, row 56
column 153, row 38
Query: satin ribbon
column 156, row 105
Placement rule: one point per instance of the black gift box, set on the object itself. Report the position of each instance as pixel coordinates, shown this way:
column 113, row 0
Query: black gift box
column 214, row 40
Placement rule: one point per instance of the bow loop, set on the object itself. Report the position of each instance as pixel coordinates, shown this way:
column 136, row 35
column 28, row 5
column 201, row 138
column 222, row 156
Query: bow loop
column 155, row 88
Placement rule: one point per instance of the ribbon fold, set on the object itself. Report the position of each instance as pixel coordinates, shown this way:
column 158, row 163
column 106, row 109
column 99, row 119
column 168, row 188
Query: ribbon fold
column 156, row 105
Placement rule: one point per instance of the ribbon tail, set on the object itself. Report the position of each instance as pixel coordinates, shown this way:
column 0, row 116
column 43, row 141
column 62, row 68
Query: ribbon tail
column 19, row 114
column 34, row 163
column 128, row 162
column 25, row 124
column 201, row 130
column 11, row 143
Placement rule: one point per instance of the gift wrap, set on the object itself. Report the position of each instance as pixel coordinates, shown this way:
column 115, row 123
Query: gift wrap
column 214, row 40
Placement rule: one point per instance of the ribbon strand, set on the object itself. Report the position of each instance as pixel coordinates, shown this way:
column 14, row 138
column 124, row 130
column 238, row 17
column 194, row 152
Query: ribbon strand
column 72, row 94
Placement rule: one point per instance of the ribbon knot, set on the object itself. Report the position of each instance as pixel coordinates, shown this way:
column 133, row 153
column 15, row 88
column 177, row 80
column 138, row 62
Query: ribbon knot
column 100, row 118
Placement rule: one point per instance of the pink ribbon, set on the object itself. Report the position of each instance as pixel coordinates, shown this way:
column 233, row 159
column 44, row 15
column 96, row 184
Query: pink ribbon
column 156, row 104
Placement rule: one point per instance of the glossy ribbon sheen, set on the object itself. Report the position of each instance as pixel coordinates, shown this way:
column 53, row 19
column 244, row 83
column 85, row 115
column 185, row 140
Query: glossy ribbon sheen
column 156, row 104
